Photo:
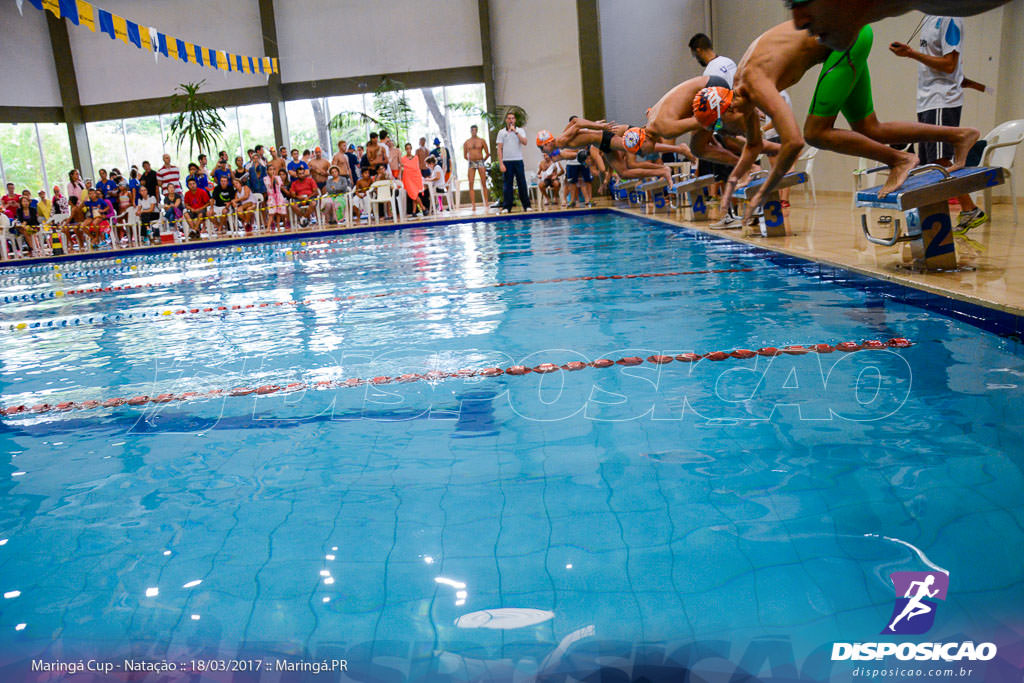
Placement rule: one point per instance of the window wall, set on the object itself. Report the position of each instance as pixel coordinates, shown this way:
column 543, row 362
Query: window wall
column 34, row 156
column 445, row 113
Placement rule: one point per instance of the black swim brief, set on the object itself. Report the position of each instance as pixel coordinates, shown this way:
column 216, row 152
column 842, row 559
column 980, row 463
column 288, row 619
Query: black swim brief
column 606, row 141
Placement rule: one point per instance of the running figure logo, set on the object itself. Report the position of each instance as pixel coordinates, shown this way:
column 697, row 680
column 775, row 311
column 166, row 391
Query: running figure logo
column 914, row 612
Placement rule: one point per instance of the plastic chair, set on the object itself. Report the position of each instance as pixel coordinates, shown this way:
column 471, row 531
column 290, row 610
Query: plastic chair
column 12, row 251
column 1002, row 152
column 381, row 193
column 438, row 200
column 807, row 157
column 132, row 224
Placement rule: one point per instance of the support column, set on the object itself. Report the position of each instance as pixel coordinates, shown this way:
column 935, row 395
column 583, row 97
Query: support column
column 588, row 22
column 268, row 23
column 487, row 59
column 67, row 82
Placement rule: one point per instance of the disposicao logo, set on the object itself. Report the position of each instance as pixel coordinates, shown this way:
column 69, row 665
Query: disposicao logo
column 914, row 613
column 917, row 596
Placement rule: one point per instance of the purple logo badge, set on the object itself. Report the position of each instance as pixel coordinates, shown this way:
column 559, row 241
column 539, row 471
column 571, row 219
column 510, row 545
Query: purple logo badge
column 916, row 593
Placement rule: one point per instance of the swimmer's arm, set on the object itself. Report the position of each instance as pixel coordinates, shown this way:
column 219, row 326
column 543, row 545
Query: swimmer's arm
column 487, row 152
column 751, row 150
column 789, row 133
column 598, row 160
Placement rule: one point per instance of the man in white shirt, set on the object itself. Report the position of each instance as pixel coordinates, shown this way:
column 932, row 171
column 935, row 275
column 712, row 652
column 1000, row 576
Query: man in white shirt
column 510, row 143
column 714, row 65
column 940, row 95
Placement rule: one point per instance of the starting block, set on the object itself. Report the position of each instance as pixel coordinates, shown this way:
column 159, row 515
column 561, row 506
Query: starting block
column 655, row 195
column 626, row 193
column 692, row 193
column 773, row 221
column 924, row 199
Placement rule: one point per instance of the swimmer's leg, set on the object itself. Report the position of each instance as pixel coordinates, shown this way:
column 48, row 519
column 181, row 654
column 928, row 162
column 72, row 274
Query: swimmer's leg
column 903, row 132
column 821, row 132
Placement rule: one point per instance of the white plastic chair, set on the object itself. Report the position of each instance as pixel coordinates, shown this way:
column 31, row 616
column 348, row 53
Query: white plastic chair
column 1001, row 152
column 132, row 224
column 8, row 251
column 257, row 205
column 381, row 193
column 439, row 200
column 807, row 157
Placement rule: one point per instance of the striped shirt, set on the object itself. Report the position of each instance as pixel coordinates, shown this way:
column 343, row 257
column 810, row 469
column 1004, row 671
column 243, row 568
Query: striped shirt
column 169, row 174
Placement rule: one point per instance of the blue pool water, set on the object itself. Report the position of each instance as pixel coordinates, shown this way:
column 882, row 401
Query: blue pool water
column 495, row 527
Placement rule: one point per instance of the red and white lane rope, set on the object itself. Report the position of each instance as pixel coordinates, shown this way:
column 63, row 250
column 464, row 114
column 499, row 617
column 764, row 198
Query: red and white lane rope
column 437, row 375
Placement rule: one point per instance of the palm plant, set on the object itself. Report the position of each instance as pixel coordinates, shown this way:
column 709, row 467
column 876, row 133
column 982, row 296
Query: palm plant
column 195, row 121
column 391, row 111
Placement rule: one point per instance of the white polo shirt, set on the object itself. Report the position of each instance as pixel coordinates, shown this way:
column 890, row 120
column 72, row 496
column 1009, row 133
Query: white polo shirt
column 511, row 147
column 936, row 90
column 723, row 67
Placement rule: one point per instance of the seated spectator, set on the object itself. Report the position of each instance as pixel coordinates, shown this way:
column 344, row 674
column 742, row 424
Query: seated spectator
column 548, row 175
column 173, row 208
column 44, row 208
column 11, row 200
column 197, row 205
column 223, row 201
column 26, row 223
column 73, row 224
column 436, row 179
column 335, row 189
column 98, row 212
column 360, row 196
column 60, row 202
column 149, row 214
column 304, row 193
column 245, row 204
column 107, row 187
column 277, row 203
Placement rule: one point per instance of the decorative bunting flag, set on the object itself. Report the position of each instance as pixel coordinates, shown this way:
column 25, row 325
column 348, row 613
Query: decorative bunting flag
column 83, row 13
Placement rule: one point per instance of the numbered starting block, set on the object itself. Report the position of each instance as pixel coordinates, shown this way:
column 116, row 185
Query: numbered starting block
column 626, row 193
column 692, row 197
column 655, row 195
column 924, row 200
column 773, row 221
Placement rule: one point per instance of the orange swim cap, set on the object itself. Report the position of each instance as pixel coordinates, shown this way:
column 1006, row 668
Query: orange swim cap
column 710, row 104
column 633, row 139
column 544, row 137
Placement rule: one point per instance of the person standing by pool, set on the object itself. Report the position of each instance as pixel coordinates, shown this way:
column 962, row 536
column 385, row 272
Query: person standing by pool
column 412, row 179
column 511, row 141
column 476, row 153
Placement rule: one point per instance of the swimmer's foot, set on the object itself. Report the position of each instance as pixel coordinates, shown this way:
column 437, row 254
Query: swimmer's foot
column 962, row 147
column 898, row 174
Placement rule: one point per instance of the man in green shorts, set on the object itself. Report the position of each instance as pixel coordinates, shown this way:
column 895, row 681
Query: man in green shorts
column 777, row 60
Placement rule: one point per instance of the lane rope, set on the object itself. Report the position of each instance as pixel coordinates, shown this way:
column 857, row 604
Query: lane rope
column 179, row 310
column 437, row 376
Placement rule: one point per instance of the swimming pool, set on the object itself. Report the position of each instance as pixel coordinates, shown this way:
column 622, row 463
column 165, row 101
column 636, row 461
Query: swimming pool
column 690, row 513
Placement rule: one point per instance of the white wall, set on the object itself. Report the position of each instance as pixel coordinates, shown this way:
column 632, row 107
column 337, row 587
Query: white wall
column 112, row 71
column 992, row 54
column 536, row 57
column 396, row 36
column 27, row 74
column 635, row 75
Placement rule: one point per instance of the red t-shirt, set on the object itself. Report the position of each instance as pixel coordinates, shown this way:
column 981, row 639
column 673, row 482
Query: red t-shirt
column 10, row 203
column 197, row 198
column 306, row 187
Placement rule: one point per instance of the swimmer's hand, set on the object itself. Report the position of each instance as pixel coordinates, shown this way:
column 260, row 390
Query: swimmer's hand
column 901, row 49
